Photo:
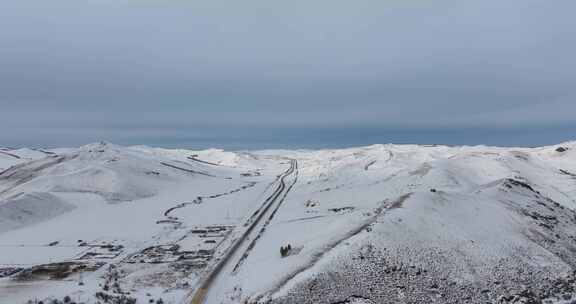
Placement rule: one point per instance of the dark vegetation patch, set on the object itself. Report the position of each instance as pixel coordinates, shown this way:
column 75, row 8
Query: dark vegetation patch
column 8, row 271
column 251, row 173
column 311, row 203
column 55, row 271
column 521, row 155
column 399, row 202
column 368, row 165
column 565, row 172
column 342, row 209
column 378, row 276
column 510, row 183
column 107, row 298
column 353, row 299
column 112, row 292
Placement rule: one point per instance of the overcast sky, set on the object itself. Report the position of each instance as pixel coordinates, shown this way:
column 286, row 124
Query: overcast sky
column 251, row 74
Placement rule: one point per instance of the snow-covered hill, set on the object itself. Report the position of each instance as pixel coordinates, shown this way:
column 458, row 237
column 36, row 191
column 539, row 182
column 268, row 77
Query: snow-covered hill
column 10, row 157
column 378, row 224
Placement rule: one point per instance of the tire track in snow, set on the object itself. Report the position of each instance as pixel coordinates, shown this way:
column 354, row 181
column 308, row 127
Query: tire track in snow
column 263, row 229
column 199, row 295
column 10, row 154
column 198, row 200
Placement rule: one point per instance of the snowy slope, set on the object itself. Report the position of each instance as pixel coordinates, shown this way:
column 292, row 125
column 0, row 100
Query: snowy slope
column 101, row 204
column 368, row 225
column 10, row 157
column 377, row 224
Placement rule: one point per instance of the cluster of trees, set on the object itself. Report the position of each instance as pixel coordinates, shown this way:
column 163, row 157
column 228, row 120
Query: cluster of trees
column 65, row 300
column 285, row 250
column 103, row 297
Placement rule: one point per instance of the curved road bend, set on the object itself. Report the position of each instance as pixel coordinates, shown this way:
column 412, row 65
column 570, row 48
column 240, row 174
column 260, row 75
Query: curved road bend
column 200, row 295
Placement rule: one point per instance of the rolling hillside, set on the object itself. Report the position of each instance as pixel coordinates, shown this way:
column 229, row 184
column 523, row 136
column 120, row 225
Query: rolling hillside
column 379, row 224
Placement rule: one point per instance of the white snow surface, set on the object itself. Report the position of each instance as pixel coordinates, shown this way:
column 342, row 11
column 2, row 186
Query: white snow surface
column 105, row 206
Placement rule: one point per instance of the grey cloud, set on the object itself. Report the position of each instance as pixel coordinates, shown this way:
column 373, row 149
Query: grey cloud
column 135, row 65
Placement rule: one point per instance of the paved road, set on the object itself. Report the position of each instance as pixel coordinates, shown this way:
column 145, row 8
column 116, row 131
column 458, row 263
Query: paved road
column 241, row 245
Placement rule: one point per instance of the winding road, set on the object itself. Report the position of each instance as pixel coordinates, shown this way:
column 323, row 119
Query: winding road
column 240, row 248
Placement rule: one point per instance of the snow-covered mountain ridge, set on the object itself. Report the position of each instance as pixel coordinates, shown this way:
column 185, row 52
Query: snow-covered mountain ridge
column 378, row 224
